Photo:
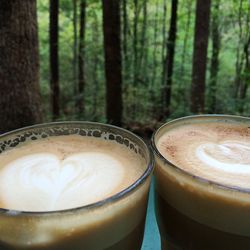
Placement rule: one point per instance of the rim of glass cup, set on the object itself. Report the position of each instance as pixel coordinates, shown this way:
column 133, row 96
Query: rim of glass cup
column 139, row 181
column 186, row 173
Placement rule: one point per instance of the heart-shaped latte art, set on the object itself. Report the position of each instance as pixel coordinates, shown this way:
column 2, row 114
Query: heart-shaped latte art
column 43, row 182
column 229, row 156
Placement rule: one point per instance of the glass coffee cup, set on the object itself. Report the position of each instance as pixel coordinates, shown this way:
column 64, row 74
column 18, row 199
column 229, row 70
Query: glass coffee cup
column 116, row 222
column 202, row 177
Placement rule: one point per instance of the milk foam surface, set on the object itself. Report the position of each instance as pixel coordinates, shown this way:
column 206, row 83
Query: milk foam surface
column 65, row 172
column 215, row 151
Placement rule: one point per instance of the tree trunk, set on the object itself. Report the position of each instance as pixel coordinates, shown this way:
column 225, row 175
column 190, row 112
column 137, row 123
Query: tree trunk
column 112, row 49
column 200, row 55
column 243, row 89
column 95, row 65
column 125, row 32
column 214, row 68
column 153, row 90
column 126, row 60
column 75, row 46
column 246, row 76
column 19, row 65
column 54, row 66
column 169, row 61
column 182, row 87
column 164, row 32
column 135, row 41
column 154, row 56
column 143, row 40
column 135, row 60
column 81, row 72
column 185, row 40
column 242, row 65
column 239, row 57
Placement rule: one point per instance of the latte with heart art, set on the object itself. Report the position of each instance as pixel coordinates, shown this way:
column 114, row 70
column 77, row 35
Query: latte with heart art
column 73, row 185
column 65, row 172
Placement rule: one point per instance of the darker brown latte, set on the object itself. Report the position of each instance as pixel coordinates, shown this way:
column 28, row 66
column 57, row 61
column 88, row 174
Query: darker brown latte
column 202, row 182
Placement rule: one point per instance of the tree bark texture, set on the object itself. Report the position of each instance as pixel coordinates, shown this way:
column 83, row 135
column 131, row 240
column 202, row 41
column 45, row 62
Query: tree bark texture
column 247, row 69
column 75, row 57
column 243, row 88
column 125, row 33
column 112, row 49
column 135, row 41
column 135, row 59
column 19, row 65
column 143, row 42
column 152, row 81
column 214, row 68
column 169, row 60
column 164, row 32
column 200, row 55
column 94, row 72
column 54, row 64
column 186, row 38
column 154, row 55
column 81, row 71
column 246, row 76
column 239, row 55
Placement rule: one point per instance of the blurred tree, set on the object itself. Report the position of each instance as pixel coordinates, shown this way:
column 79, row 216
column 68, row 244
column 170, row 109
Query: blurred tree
column 54, row 64
column 135, row 40
column 184, row 72
column 241, row 81
column 143, row 40
column 112, row 48
column 169, row 60
column 125, row 33
column 186, row 37
column 214, row 67
column 164, row 34
column 154, row 56
column 200, row 55
column 239, row 56
column 245, row 81
column 19, row 65
column 126, row 60
column 81, row 57
column 95, row 65
column 75, row 57
column 135, row 58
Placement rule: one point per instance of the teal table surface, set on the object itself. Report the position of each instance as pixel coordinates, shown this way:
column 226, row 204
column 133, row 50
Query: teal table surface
column 151, row 237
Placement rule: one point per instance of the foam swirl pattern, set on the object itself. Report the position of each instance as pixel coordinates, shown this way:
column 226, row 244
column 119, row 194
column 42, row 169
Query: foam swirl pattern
column 214, row 151
column 232, row 157
column 56, row 175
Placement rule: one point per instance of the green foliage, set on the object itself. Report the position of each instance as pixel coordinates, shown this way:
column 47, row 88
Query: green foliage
column 141, row 94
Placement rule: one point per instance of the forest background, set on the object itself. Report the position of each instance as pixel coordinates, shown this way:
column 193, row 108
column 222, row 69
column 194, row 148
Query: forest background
column 137, row 63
